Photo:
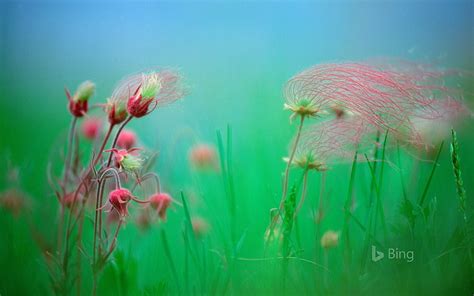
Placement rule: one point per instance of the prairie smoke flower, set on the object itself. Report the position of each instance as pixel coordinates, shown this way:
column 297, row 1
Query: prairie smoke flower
column 91, row 128
column 146, row 91
column 78, row 103
column 119, row 199
column 126, row 160
column 200, row 226
column 330, row 239
column 160, row 202
column 203, row 156
column 380, row 95
column 331, row 141
column 127, row 139
column 427, row 132
column 116, row 110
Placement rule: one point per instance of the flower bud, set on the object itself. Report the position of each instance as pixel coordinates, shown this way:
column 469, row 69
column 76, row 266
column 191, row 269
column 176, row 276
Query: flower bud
column 139, row 104
column 330, row 239
column 127, row 139
column 116, row 112
column 78, row 104
column 119, row 199
column 160, row 202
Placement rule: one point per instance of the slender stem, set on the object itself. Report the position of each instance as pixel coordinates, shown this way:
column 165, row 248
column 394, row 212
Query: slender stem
column 290, row 160
column 114, row 240
column 287, row 170
column 67, row 165
column 116, row 138
column 146, row 177
column 303, row 192
column 69, row 151
column 76, row 193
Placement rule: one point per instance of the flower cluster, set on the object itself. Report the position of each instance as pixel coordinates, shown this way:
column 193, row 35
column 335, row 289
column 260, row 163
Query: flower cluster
column 114, row 153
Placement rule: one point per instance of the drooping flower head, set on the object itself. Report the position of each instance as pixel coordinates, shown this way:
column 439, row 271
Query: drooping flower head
column 119, row 199
column 147, row 91
column 127, row 139
column 91, row 128
column 160, row 202
column 78, row 103
column 330, row 239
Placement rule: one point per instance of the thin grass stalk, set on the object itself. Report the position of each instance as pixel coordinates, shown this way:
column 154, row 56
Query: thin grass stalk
column 347, row 209
column 170, row 259
column 430, row 178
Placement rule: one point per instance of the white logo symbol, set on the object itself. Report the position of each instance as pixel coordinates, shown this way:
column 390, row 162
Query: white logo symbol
column 376, row 255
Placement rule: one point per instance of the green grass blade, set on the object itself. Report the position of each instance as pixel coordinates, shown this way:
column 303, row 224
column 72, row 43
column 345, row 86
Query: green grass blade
column 170, row 259
column 430, row 178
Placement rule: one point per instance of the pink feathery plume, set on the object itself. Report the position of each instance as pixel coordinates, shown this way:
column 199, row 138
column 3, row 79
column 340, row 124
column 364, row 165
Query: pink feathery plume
column 333, row 141
column 384, row 97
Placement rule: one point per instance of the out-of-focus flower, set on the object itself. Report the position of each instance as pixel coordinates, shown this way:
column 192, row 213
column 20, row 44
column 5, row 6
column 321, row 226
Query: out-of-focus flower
column 330, row 239
column 127, row 139
column 78, row 103
column 200, row 226
column 91, row 128
column 14, row 201
column 203, row 156
column 160, row 202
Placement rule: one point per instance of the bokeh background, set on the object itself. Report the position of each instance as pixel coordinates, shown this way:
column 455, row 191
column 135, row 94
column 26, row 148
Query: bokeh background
column 235, row 57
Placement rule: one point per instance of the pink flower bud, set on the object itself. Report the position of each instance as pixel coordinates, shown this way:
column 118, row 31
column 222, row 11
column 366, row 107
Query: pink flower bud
column 78, row 103
column 138, row 106
column 119, row 199
column 160, row 202
column 127, row 139
column 78, row 108
column 116, row 112
column 91, row 128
